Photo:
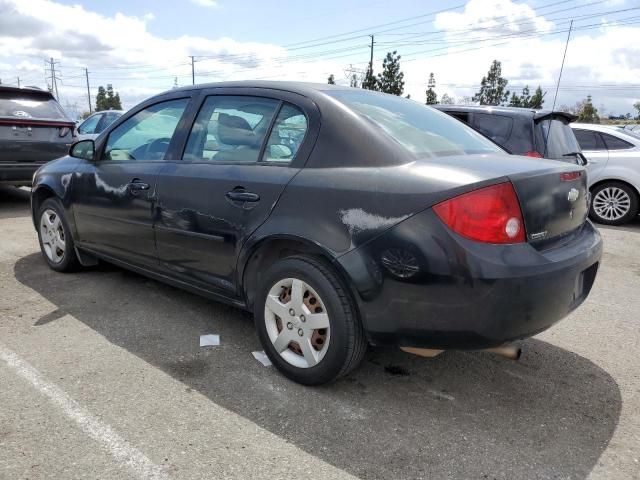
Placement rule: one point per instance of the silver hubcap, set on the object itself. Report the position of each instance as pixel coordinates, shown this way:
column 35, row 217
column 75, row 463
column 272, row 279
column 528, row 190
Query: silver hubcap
column 297, row 322
column 52, row 236
column 611, row 203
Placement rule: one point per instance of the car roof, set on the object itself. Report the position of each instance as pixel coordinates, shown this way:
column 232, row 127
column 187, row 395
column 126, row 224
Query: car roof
column 289, row 86
column 28, row 90
column 510, row 111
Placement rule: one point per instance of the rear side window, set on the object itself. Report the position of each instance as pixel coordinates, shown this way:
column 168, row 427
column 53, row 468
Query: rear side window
column 589, row 140
column 556, row 139
column 496, row 127
column 615, row 143
column 230, row 129
column 27, row 106
column 287, row 135
column 89, row 125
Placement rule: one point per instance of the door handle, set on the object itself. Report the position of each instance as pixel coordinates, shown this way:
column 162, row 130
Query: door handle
column 242, row 196
column 136, row 186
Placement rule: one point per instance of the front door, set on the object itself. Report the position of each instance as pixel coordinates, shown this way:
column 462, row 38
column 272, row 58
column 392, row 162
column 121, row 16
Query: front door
column 236, row 163
column 114, row 197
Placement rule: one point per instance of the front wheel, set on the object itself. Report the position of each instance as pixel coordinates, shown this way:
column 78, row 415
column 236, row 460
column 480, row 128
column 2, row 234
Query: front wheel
column 54, row 234
column 613, row 203
column 307, row 323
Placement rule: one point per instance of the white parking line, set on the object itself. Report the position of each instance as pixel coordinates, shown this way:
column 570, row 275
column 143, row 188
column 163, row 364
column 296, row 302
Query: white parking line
column 118, row 447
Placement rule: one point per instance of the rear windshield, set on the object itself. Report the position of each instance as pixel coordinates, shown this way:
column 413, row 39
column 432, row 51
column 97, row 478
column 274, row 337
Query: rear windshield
column 422, row 130
column 556, row 139
column 29, row 106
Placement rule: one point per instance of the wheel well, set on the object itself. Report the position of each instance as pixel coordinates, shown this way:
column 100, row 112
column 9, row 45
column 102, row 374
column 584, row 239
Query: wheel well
column 610, row 180
column 267, row 253
column 39, row 196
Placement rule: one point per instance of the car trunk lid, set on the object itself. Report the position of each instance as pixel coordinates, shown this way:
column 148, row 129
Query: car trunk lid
column 553, row 203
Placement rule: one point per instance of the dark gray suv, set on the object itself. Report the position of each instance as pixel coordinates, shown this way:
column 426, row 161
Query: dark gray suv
column 523, row 131
column 33, row 130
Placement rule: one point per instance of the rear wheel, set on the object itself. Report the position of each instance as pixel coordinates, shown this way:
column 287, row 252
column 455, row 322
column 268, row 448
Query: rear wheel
column 307, row 323
column 55, row 238
column 613, row 203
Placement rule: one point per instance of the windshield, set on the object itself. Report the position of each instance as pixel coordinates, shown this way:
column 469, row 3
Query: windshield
column 29, row 106
column 557, row 139
column 421, row 130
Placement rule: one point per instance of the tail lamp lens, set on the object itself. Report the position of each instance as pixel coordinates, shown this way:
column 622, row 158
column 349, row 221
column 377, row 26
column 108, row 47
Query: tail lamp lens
column 490, row 215
column 534, row 154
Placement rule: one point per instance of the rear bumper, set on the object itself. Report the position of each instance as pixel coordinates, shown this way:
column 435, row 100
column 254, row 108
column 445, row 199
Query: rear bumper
column 420, row 285
column 18, row 173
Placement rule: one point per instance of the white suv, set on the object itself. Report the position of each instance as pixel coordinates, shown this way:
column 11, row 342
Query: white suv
column 614, row 171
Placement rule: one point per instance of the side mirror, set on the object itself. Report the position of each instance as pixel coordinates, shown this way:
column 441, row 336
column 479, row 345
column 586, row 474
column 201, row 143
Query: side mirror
column 279, row 151
column 84, row 149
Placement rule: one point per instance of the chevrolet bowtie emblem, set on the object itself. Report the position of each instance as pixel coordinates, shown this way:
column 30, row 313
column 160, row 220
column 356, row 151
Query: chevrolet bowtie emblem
column 573, row 195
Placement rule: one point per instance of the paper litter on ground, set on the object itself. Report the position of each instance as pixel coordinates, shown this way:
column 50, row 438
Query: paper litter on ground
column 209, row 340
column 262, row 358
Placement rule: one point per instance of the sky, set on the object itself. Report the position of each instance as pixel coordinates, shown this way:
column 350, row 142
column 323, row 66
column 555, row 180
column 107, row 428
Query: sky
column 144, row 47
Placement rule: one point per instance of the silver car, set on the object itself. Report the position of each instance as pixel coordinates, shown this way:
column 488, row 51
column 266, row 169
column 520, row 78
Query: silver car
column 614, row 171
column 94, row 124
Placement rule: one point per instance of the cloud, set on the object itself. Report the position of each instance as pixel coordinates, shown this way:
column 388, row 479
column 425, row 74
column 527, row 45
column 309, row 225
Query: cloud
column 205, row 3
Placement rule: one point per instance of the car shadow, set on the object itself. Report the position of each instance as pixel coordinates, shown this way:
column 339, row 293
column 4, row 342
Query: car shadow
column 459, row 415
column 14, row 201
column 632, row 226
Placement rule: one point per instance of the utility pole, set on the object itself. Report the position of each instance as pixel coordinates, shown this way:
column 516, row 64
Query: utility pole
column 18, row 82
column 54, row 85
column 86, row 74
column 371, row 58
column 193, row 70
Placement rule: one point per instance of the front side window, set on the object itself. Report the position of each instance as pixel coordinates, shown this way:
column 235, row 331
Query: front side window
column 287, row 135
column 146, row 135
column 421, row 130
column 230, row 129
column 89, row 125
column 589, row 140
column 615, row 143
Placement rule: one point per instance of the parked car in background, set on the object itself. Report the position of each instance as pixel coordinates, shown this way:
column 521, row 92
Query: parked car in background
column 522, row 131
column 614, row 171
column 339, row 216
column 94, row 124
column 33, row 130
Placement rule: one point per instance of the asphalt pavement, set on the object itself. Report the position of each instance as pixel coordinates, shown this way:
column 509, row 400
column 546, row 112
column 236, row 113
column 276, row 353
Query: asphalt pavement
column 102, row 376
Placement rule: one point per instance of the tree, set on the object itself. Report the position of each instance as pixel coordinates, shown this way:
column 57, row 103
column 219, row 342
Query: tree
column 331, row 80
column 446, row 99
column 370, row 82
column 493, row 87
column 107, row 99
column 537, row 99
column 391, row 80
column 587, row 113
column 354, row 81
column 432, row 98
column 637, row 107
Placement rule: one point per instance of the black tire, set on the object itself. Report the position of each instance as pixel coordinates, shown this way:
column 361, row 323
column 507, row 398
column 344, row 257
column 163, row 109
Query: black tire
column 633, row 207
column 69, row 261
column 347, row 344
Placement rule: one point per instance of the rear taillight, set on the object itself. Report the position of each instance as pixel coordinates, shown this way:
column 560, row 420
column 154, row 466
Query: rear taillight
column 570, row 176
column 491, row 215
column 533, row 153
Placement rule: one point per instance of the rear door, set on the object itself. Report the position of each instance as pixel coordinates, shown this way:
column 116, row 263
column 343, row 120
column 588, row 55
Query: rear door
column 114, row 195
column 244, row 147
column 594, row 148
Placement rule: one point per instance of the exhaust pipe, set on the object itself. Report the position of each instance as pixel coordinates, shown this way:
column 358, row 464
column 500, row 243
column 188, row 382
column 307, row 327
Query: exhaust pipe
column 507, row 351
column 511, row 352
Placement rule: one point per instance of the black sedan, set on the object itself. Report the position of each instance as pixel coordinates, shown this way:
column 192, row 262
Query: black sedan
column 339, row 216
